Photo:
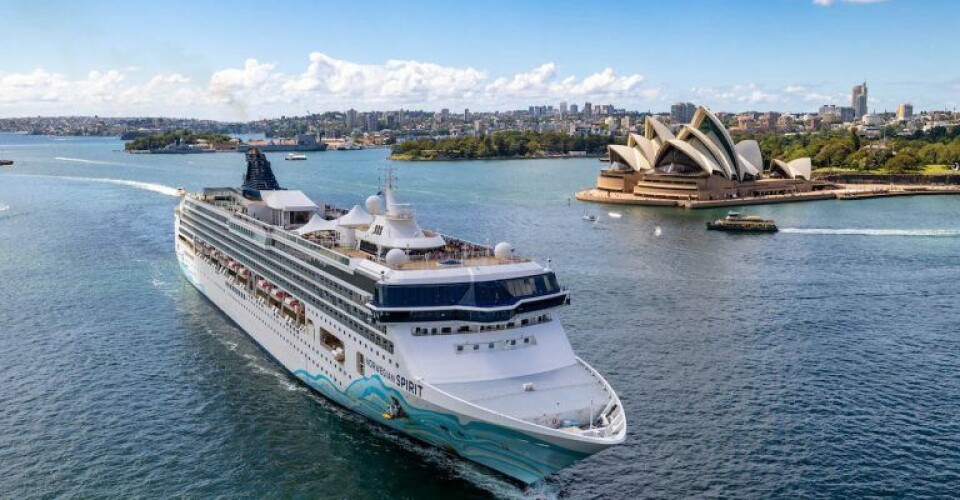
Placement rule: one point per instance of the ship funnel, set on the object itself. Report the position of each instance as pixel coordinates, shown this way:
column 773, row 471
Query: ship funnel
column 259, row 174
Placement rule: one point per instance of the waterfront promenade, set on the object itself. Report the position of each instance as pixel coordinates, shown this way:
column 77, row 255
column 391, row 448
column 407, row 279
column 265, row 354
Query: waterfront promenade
column 843, row 192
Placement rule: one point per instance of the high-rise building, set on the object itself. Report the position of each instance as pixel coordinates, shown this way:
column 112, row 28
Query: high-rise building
column 847, row 114
column 466, row 115
column 587, row 109
column 682, row 112
column 574, row 109
column 563, row 107
column 371, row 122
column 351, row 119
column 905, row 111
column 391, row 120
column 444, row 114
column 858, row 100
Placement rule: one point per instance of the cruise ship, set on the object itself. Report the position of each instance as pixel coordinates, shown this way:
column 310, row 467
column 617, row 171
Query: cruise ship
column 453, row 343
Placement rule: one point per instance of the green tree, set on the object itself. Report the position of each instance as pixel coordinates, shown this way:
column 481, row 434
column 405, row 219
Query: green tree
column 901, row 163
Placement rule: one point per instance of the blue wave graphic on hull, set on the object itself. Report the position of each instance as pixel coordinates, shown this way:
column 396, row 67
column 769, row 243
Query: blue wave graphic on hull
column 510, row 452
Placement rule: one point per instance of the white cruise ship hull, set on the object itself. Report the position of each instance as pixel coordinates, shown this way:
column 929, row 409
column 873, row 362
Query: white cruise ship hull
column 519, row 449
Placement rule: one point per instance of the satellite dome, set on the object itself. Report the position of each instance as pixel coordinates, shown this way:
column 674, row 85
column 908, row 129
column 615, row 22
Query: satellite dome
column 396, row 257
column 503, row 250
column 374, row 205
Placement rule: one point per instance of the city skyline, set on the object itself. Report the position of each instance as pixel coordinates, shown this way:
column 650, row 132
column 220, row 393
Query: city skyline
column 246, row 63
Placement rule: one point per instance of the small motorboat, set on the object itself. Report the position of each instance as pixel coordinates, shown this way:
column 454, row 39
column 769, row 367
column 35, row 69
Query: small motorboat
column 295, row 156
column 615, row 215
column 6, row 163
column 736, row 222
column 589, row 217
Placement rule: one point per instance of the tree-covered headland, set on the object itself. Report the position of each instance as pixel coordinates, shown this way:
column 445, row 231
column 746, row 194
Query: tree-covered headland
column 505, row 144
column 846, row 151
column 159, row 140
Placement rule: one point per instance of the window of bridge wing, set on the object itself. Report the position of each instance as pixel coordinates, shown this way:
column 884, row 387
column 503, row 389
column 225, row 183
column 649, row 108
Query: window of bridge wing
column 477, row 294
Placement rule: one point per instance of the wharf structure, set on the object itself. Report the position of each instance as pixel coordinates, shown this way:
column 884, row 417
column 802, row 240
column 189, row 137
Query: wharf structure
column 699, row 166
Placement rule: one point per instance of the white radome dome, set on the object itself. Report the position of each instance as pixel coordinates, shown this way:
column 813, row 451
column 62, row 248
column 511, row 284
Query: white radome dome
column 503, row 250
column 374, row 205
column 396, row 257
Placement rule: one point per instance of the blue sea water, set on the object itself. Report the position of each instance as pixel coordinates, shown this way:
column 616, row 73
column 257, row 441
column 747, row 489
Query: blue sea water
column 822, row 361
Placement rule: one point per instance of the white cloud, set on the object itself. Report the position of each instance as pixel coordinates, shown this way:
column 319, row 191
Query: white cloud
column 542, row 82
column 259, row 89
column 43, row 86
column 228, row 85
column 396, row 80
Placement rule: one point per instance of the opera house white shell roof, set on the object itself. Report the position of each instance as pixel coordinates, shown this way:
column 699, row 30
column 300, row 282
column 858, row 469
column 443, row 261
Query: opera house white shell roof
column 702, row 147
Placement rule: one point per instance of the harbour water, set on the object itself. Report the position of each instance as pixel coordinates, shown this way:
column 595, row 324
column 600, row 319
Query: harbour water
column 821, row 361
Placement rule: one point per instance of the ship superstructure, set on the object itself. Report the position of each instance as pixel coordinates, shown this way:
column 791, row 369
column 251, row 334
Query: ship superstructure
column 453, row 343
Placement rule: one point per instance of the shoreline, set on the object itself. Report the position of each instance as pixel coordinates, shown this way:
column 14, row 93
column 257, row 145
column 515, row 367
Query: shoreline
column 846, row 192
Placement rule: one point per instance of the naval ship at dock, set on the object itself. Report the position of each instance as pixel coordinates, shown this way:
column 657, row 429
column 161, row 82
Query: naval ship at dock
column 452, row 343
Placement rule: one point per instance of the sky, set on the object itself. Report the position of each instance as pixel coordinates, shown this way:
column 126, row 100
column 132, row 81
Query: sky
column 245, row 60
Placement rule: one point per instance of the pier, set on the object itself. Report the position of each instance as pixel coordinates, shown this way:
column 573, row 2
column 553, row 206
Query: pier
column 844, row 192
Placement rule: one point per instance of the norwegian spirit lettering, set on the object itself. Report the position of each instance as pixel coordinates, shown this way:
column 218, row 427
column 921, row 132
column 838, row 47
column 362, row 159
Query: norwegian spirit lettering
column 400, row 381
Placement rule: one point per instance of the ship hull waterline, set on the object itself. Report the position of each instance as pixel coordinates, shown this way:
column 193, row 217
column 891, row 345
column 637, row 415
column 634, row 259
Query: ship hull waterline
column 516, row 454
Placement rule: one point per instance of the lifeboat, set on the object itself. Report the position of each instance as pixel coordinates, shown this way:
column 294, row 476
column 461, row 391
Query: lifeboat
column 280, row 294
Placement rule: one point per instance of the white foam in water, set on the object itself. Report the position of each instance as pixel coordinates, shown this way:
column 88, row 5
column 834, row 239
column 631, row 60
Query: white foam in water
column 4, row 208
column 81, row 160
column 873, row 232
column 146, row 186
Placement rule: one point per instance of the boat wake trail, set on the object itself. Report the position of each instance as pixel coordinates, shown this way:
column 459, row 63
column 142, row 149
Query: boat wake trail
column 146, row 186
column 81, row 160
column 874, row 232
column 4, row 208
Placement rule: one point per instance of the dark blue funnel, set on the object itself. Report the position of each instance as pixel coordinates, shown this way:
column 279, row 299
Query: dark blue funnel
column 259, row 174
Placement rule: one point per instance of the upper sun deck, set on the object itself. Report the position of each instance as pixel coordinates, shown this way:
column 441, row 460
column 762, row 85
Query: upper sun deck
column 344, row 243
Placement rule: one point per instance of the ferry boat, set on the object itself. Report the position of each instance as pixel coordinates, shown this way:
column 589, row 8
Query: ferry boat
column 453, row 343
column 295, row 156
column 735, row 222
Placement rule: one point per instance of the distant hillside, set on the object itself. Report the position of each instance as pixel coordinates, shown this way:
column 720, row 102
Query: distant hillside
column 506, row 144
column 159, row 140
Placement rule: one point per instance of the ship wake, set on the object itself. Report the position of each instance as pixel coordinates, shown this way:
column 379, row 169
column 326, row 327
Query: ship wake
column 873, row 232
column 146, row 186
column 82, row 160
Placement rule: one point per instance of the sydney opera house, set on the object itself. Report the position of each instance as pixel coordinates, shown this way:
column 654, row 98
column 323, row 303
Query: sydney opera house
column 697, row 164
